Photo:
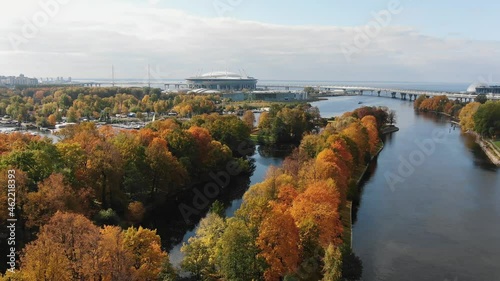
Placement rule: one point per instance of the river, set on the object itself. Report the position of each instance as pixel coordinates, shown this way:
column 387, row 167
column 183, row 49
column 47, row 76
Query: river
column 438, row 219
column 263, row 159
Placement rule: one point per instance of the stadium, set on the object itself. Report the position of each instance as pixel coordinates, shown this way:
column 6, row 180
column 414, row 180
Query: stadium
column 222, row 80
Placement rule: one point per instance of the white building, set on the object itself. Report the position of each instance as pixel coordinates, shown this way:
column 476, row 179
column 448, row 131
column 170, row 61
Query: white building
column 20, row 80
column 222, row 80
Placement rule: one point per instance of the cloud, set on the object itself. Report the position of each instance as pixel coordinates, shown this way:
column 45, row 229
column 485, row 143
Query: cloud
column 85, row 38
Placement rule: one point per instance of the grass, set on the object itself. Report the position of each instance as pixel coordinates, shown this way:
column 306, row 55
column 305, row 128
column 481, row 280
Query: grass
column 254, row 137
column 345, row 213
column 497, row 144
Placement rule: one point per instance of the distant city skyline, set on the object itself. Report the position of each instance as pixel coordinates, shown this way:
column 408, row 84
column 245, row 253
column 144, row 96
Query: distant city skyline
column 402, row 40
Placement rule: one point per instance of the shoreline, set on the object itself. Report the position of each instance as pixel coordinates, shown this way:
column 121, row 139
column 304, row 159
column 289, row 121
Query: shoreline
column 485, row 145
column 388, row 130
column 348, row 204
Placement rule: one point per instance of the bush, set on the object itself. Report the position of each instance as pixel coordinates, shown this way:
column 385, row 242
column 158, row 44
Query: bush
column 107, row 217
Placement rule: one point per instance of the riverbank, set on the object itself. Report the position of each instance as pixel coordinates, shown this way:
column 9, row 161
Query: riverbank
column 411, row 231
column 488, row 147
column 389, row 129
column 347, row 209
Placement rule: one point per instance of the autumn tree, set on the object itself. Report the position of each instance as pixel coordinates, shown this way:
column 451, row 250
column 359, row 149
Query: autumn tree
column 419, row 101
column 105, row 166
column 200, row 251
column 256, row 204
column 467, row 116
column 231, row 131
column 21, row 184
column 66, row 247
column 202, row 139
column 167, row 174
column 370, row 123
column 316, row 213
column 45, row 260
column 52, row 120
column 264, row 120
column 358, row 134
column 292, row 164
column 249, row 118
column 279, row 242
column 332, row 269
column 115, row 260
column 53, row 195
column 147, row 255
column 331, row 166
column 136, row 212
column 311, row 145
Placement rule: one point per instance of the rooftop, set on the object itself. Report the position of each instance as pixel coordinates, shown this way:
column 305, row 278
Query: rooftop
column 221, row 75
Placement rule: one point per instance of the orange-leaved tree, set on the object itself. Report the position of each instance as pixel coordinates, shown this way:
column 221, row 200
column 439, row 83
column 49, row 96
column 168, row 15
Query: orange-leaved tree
column 316, row 213
column 279, row 243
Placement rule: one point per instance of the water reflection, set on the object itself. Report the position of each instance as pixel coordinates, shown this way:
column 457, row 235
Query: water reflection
column 441, row 217
column 176, row 231
column 440, row 222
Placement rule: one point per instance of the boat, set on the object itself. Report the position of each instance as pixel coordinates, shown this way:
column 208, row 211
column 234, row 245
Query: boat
column 360, row 102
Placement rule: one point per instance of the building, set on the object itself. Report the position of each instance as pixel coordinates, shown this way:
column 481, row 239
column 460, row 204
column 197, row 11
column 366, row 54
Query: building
column 222, row 80
column 21, row 80
column 488, row 90
column 7, row 80
column 482, row 88
column 56, row 81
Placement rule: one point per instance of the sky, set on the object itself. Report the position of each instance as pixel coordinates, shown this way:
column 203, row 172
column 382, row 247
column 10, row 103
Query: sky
column 324, row 40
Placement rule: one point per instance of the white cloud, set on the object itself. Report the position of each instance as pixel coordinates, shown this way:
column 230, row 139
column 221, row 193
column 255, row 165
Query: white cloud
column 86, row 37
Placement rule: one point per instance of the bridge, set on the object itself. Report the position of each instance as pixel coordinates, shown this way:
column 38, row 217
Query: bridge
column 404, row 94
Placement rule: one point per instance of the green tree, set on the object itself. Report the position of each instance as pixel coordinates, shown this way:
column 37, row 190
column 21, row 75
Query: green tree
column 487, row 119
column 481, row 98
column 200, row 251
column 237, row 253
column 332, row 269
